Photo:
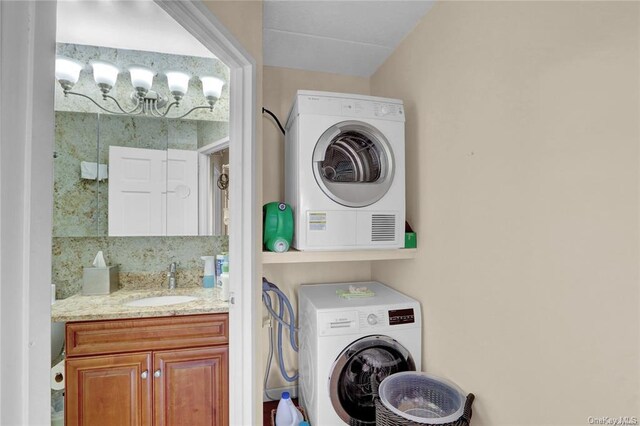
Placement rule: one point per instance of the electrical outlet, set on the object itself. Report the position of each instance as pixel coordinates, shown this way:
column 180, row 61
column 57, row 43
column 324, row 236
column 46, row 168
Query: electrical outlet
column 266, row 322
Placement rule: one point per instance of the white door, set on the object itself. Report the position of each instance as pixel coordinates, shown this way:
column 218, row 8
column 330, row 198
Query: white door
column 136, row 190
column 182, row 192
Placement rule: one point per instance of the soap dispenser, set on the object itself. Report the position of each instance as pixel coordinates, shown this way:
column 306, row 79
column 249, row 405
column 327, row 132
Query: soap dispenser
column 209, row 278
column 223, row 282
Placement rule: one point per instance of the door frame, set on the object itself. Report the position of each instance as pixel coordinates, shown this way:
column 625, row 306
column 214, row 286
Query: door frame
column 26, row 205
column 205, row 186
column 196, row 18
column 27, row 57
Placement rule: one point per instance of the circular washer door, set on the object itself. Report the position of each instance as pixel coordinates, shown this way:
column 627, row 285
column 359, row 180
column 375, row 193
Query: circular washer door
column 353, row 164
column 359, row 370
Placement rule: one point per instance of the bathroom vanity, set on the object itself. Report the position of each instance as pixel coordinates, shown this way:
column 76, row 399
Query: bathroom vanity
column 161, row 365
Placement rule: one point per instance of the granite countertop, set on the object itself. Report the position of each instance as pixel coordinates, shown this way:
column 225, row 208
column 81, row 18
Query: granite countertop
column 112, row 306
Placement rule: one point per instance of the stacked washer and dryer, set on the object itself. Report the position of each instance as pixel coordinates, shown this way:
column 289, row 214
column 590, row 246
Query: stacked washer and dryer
column 344, row 171
column 344, row 179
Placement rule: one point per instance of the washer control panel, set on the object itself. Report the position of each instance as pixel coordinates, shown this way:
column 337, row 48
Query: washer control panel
column 336, row 323
column 401, row 316
column 358, row 320
column 373, row 318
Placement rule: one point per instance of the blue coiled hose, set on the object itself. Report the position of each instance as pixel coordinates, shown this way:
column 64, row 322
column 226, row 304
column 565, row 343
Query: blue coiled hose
column 283, row 304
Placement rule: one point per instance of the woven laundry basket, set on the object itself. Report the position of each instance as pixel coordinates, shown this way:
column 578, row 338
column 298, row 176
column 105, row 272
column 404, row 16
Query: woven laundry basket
column 419, row 399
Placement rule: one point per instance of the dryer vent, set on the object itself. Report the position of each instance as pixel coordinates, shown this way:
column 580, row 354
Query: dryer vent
column 383, row 227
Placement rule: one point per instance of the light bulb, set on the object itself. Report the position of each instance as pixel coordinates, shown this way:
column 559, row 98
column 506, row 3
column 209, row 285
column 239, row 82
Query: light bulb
column 211, row 88
column 105, row 75
column 178, row 83
column 67, row 71
column 141, row 78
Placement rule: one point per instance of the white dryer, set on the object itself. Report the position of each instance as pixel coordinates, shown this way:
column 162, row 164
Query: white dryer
column 347, row 347
column 345, row 171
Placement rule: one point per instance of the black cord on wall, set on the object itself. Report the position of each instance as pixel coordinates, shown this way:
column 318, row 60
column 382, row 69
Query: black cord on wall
column 275, row 118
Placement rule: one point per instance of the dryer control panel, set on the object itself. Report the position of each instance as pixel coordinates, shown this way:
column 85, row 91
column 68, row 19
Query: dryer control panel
column 350, row 108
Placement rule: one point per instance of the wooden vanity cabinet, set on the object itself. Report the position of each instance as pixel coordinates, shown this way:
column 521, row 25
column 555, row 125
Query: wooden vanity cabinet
column 178, row 374
column 109, row 390
column 188, row 390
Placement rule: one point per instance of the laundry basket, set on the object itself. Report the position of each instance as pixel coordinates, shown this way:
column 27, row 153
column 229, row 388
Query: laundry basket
column 417, row 399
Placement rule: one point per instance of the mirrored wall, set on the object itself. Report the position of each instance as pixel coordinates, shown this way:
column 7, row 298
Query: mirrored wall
column 122, row 175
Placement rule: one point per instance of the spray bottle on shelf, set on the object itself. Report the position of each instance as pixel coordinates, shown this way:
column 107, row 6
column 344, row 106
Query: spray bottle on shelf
column 223, row 282
column 209, row 279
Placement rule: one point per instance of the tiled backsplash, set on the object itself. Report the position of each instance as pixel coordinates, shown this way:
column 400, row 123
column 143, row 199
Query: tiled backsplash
column 144, row 261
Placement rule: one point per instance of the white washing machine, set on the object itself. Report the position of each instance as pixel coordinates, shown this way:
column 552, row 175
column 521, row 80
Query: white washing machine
column 345, row 171
column 347, row 347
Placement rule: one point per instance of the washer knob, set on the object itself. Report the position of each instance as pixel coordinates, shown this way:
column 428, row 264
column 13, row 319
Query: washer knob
column 372, row 319
column 384, row 110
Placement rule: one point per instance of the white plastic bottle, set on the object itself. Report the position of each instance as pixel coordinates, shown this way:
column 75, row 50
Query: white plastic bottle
column 296, row 415
column 283, row 412
column 224, row 282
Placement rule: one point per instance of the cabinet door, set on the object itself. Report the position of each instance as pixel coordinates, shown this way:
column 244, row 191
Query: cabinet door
column 191, row 387
column 109, row 390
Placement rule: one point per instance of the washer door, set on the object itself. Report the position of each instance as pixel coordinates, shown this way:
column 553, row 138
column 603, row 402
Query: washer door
column 353, row 164
column 359, row 370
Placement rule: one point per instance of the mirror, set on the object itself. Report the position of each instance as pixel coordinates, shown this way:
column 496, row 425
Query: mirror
column 121, row 175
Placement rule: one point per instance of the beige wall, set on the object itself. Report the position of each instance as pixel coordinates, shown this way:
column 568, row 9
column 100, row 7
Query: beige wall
column 280, row 87
column 522, row 184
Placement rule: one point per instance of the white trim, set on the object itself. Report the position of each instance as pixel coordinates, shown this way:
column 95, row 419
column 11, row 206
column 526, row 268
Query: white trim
column 196, row 18
column 204, row 188
column 2, row 337
column 216, row 146
column 206, row 224
column 26, row 180
column 210, row 214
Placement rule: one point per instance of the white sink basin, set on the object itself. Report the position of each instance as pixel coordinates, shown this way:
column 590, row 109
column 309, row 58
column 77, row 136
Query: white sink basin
column 161, row 301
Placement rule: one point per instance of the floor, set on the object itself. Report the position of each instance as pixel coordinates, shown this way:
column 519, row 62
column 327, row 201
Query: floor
column 266, row 410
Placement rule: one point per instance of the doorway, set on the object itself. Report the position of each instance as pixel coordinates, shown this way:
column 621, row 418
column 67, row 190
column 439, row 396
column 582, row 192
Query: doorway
column 29, row 404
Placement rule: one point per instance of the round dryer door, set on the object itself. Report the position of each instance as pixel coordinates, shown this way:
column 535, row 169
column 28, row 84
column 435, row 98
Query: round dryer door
column 357, row 373
column 353, row 164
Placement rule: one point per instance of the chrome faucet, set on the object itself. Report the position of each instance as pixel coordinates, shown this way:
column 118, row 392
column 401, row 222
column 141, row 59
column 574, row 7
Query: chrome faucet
column 172, row 275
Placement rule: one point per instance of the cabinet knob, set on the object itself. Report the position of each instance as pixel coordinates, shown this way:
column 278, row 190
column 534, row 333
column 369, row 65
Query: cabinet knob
column 157, row 373
column 144, row 374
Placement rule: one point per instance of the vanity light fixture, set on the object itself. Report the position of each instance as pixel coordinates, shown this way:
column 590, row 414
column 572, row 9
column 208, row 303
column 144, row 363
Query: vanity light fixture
column 145, row 101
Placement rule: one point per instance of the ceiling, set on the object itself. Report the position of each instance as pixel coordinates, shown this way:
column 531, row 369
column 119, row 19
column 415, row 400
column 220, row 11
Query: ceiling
column 342, row 37
column 134, row 25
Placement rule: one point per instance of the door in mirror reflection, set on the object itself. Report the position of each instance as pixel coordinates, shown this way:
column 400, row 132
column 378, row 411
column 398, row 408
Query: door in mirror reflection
column 152, row 192
column 182, row 192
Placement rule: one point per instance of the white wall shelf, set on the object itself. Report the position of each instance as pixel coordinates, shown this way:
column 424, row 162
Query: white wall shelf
column 294, row 256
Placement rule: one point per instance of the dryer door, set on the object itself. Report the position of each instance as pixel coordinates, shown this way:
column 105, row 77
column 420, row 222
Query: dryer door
column 353, row 164
column 359, row 370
